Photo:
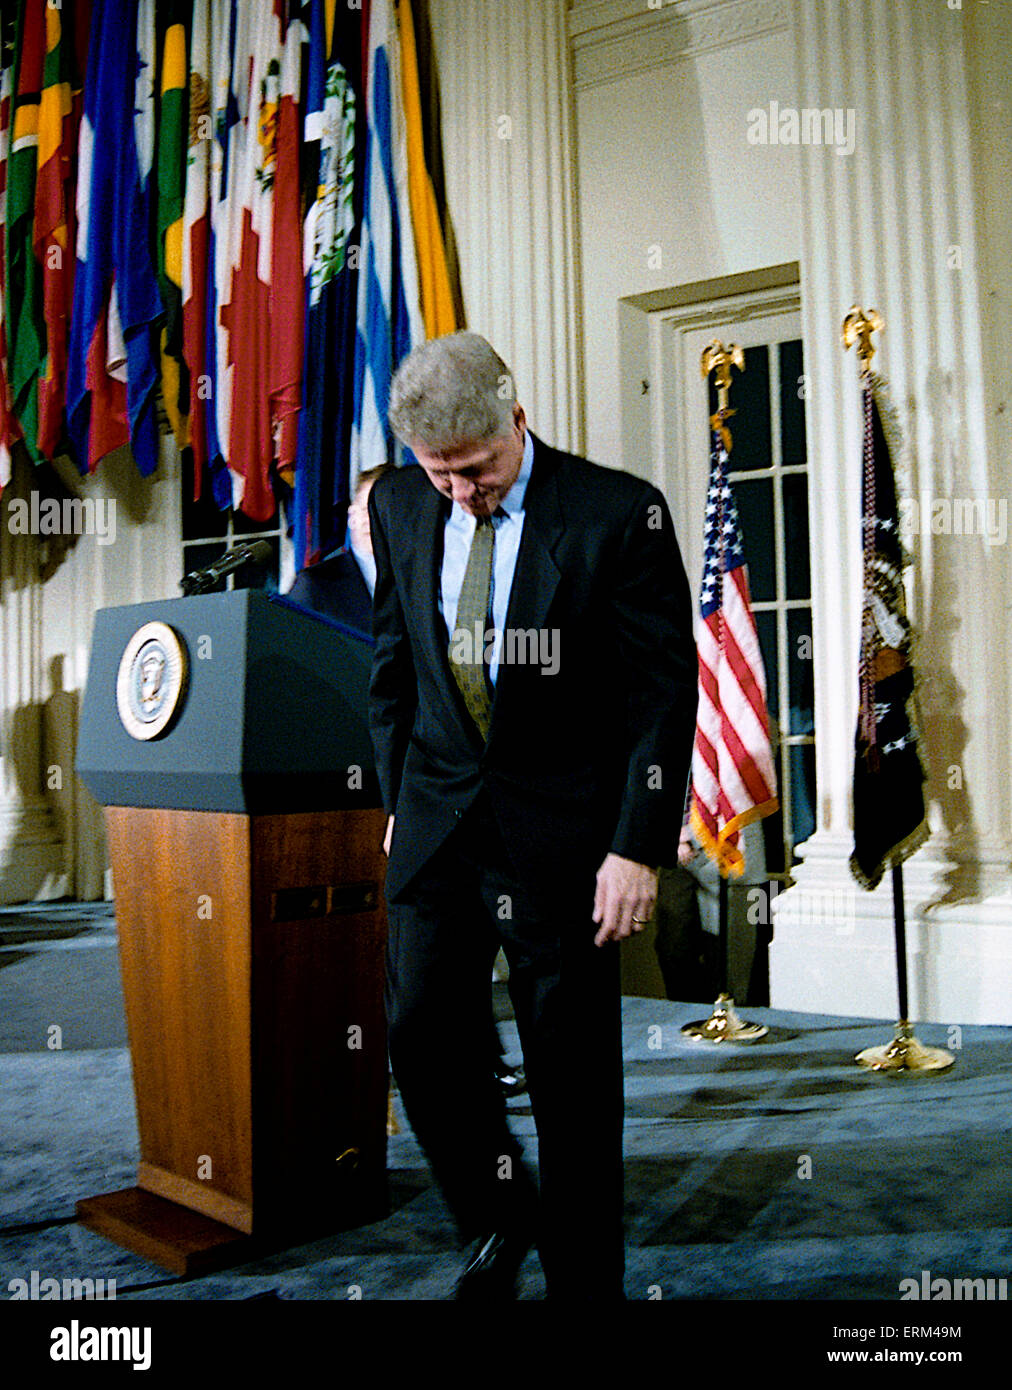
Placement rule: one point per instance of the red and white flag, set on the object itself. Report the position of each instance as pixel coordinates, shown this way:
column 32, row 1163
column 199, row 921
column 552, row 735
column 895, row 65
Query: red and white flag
column 733, row 775
column 258, row 255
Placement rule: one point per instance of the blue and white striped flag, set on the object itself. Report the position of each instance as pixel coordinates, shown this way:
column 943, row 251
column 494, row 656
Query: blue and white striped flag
column 389, row 320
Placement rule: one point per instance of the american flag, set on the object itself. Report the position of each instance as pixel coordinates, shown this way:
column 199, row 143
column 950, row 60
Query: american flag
column 733, row 777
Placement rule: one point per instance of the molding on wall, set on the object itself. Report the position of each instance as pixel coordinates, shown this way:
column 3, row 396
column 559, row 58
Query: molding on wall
column 833, row 949
column 611, row 39
column 707, row 292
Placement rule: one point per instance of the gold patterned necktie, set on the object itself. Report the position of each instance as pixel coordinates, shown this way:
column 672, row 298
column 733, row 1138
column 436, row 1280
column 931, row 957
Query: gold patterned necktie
column 472, row 614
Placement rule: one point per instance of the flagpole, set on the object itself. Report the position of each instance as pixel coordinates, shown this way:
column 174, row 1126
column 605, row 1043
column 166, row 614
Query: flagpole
column 905, row 1053
column 723, row 935
column 900, row 933
column 723, row 1025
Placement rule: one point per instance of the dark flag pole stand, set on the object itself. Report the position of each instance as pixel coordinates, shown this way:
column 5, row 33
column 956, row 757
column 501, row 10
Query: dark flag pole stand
column 723, row 1025
column 904, row 1053
column 883, row 711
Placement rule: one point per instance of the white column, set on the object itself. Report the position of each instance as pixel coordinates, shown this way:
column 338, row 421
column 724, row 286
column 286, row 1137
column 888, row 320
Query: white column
column 506, row 97
column 52, row 834
column 31, row 850
column 896, row 226
column 133, row 557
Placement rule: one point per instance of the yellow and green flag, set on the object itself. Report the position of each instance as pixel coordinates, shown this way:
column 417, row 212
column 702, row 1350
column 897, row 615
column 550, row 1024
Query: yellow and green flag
column 170, row 164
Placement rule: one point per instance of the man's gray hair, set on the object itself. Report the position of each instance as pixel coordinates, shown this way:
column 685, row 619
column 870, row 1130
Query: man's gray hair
column 452, row 391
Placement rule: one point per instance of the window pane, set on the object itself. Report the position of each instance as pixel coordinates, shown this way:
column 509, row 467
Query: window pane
column 766, row 626
column 243, row 525
column 799, row 577
column 799, row 671
column 750, row 399
column 263, row 576
column 773, row 839
column 200, row 519
column 793, row 444
column 249, row 576
column 198, row 557
column 802, row 791
column 755, row 512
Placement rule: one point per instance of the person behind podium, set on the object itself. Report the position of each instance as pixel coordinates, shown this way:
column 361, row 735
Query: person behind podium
column 534, row 782
column 341, row 585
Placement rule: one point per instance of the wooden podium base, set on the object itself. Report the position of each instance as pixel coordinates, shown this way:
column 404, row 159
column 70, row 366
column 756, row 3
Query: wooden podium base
column 180, row 1240
column 251, row 951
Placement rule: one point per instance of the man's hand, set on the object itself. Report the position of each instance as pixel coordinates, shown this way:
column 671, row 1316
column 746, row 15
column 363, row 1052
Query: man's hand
column 625, row 898
column 388, row 836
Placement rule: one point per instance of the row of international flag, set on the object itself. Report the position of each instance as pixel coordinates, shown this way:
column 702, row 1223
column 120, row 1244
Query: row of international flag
column 227, row 206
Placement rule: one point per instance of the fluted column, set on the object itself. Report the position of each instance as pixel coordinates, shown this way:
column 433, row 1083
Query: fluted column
column 896, row 226
column 31, row 849
column 505, row 89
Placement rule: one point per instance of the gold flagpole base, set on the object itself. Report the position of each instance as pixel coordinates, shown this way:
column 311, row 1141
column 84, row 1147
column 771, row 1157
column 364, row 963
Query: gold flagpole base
column 905, row 1053
column 724, row 1025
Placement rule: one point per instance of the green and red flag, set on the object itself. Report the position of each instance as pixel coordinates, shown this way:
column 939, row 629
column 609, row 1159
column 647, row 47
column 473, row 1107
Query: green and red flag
column 10, row 430
column 26, row 326
column 55, row 222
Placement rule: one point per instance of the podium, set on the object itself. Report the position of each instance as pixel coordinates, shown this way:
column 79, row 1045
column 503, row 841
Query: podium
column 227, row 737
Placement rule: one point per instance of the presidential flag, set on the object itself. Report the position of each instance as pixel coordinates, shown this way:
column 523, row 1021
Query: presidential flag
column 733, row 775
column 889, row 817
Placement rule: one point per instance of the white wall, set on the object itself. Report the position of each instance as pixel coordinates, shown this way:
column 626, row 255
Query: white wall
column 45, row 670
column 670, row 190
column 671, row 193
column 504, row 82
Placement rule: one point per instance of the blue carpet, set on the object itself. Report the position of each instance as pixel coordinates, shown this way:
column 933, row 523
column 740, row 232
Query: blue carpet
column 776, row 1172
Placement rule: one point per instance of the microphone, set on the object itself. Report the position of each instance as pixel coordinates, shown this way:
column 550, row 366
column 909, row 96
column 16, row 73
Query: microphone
column 250, row 553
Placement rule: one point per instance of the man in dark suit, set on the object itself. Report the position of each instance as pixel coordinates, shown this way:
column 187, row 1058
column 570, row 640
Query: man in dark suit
column 532, row 708
column 341, row 587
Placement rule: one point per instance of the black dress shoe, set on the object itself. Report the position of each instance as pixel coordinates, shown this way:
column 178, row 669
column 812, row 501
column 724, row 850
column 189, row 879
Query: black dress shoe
column 511, row 1080
column 491, row 1271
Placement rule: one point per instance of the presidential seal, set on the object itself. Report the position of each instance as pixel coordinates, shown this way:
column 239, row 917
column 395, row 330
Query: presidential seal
column 151, row 681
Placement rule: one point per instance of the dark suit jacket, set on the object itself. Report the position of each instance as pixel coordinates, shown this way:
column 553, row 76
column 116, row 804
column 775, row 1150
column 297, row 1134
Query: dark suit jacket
column 591, row 759
column 335, row 588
